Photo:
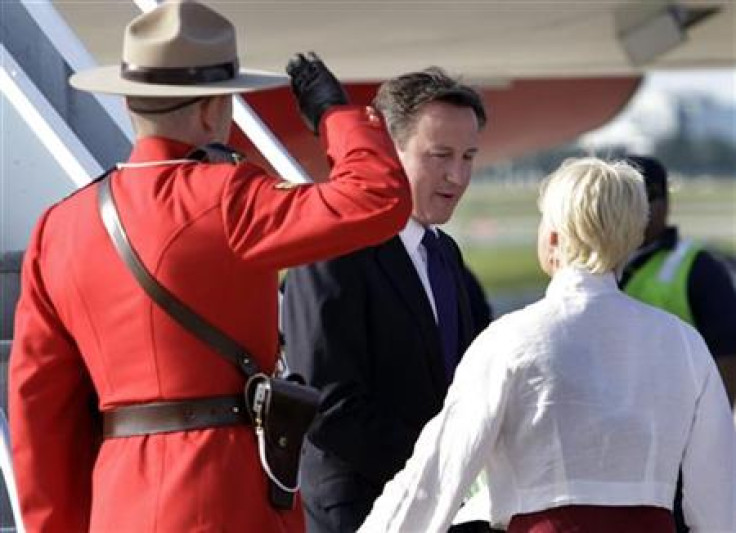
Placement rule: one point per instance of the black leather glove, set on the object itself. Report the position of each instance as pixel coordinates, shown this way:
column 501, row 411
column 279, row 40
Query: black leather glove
column 316, row 89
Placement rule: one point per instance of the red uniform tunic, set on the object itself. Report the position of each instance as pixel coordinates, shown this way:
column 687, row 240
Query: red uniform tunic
column 216, row 235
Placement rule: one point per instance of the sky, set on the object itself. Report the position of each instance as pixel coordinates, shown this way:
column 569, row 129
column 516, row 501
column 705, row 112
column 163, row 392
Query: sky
column 650, row 113
column 720, row 84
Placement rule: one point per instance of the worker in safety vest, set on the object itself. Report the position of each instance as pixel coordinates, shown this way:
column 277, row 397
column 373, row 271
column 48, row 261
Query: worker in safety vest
column 679, row 276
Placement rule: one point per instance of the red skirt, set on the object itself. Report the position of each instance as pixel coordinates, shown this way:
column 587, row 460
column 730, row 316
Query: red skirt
column 594, row 519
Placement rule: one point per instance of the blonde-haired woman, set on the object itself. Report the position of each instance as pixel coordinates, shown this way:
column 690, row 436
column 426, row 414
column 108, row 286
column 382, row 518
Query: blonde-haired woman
column 583, row 406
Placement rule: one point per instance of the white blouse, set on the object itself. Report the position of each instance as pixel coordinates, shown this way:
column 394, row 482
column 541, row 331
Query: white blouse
column 585, row 397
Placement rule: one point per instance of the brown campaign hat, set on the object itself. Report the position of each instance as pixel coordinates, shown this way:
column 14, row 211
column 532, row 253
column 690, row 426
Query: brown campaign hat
column 180, row 49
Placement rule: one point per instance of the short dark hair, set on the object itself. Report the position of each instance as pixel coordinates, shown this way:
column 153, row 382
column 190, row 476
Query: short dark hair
column 160, row 105
column 654, row 174
column 400, row 99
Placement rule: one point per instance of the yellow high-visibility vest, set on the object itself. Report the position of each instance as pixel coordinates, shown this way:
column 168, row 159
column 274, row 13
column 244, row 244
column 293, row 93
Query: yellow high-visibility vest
column 663, row 280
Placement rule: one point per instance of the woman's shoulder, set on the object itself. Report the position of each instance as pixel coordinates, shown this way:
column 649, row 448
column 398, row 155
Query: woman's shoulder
column 514, row 332
column 651, row 317
column 532, row 315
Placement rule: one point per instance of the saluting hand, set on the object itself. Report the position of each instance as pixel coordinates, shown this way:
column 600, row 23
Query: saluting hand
column 316, row 89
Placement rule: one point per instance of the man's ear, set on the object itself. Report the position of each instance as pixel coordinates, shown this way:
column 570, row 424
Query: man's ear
column 210, row 114
column 207, row 114
column 400, row 150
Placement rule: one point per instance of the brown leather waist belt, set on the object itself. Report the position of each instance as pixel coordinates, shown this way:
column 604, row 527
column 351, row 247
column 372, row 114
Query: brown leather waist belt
column 180, row 415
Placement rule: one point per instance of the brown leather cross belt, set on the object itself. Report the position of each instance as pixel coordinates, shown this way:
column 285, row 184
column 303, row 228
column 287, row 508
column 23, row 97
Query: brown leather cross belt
column 180, row 415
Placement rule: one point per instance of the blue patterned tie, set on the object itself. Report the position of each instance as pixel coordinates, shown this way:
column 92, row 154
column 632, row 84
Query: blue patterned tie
column 445, row 299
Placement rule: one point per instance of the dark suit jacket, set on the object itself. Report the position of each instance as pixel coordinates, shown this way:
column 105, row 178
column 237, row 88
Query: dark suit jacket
column 361, row 329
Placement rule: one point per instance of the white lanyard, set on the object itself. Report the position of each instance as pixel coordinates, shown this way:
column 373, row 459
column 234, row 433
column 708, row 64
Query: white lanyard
column 147, row 164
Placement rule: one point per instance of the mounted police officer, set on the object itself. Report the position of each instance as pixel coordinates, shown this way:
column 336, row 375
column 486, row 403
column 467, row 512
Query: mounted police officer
column 88, row 340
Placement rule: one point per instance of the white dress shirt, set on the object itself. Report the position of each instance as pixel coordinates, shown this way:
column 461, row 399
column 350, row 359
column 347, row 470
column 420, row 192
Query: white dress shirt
column 411, row 237
column 585, row 397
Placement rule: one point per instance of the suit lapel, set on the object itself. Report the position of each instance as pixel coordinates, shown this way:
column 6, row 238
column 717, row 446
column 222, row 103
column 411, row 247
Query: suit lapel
column 399, row 270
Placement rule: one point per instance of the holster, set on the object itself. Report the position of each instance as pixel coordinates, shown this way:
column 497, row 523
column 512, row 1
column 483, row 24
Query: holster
column 282, row 411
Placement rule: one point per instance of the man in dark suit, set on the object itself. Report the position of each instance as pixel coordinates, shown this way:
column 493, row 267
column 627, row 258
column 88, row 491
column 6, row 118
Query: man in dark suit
column 381, row 330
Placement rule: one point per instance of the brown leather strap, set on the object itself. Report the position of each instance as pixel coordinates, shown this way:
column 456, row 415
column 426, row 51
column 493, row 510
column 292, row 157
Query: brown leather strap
column 178, row 310
column 167, row 417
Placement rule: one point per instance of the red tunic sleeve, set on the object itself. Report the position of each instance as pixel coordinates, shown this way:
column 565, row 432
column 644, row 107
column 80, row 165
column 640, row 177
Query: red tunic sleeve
column 366, row 200
column 54, row 437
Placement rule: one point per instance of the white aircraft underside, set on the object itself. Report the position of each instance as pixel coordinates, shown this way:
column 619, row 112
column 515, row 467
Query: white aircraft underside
column 488, row 41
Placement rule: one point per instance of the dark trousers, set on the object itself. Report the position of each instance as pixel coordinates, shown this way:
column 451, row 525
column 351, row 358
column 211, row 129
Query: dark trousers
column 476, row 526
column 595, row 519
column 341, row 518
column 348, row 517
column 677, row 511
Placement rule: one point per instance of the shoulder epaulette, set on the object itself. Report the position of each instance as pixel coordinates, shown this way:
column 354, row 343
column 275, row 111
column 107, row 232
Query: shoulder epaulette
column 216, row 153
column 86, row 185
